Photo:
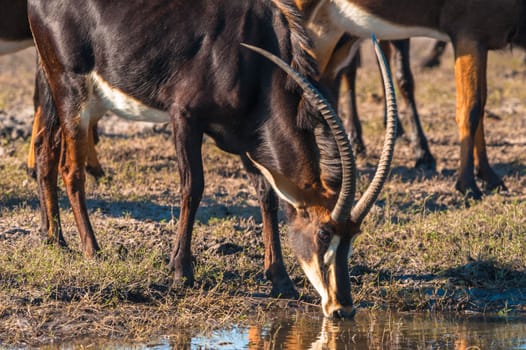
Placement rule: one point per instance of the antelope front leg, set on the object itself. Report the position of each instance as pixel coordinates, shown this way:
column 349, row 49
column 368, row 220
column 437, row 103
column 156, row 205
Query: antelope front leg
column 275, row 270
column 188, row 138
column 44, row 157
column 347, row 106
column 75, row 143
column 470, row 67
column 406, row 86
column 483, row 170
column 340, row 77
column 71, row 91
column 388, row 53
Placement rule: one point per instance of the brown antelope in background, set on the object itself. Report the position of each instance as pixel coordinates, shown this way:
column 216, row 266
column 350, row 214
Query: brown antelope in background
column 15, row 35
column 473, row 26
column 182, row 61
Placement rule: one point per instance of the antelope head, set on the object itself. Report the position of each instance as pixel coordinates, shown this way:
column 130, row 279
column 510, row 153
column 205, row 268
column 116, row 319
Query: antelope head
column 323, row 226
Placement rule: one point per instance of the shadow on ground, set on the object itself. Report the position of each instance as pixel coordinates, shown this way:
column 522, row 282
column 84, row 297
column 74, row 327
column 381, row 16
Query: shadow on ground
column 479, row 285
column 143, row 210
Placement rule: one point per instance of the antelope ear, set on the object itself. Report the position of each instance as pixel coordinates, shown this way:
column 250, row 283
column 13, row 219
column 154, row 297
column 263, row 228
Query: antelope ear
column 285, row 188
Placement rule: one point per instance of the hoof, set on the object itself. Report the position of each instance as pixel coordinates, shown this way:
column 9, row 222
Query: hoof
column 282, row 286
column 470, row 192
column 492, row 182
column 498, row 187
column 183, row 273
column 284, row 289
column 95, row 171
column 93, row 252
column 32, row 172
column 183, row 281
column 61, row 245
column 58, row 241
column 426, row 162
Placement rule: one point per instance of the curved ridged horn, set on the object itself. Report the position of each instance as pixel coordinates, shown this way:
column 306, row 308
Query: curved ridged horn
column 366, row 202
column 343, row 206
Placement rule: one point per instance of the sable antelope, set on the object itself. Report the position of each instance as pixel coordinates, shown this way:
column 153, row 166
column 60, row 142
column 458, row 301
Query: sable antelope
column 181, row 61
column 474, row 27
column 15, row 35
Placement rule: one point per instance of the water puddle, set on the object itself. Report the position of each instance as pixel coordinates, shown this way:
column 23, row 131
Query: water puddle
column 374, row 330
column 369, row 330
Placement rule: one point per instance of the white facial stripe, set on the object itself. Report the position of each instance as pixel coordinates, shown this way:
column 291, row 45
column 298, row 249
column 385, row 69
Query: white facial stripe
column 312, row 270
column 330, row 262
column 124, row 105
column 13, row 46
column 357, row 21
column 330, row 256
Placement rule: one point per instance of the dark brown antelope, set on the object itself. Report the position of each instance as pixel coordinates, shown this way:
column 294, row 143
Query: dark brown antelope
column 182, row 61
column 15, row 35
column 474, row 27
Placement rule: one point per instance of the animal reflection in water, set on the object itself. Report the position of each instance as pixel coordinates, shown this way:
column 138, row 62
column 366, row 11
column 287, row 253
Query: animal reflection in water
column 379, row 330
column 315, row 335
column 300, row 335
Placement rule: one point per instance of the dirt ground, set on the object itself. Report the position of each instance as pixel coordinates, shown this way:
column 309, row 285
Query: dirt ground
column 422, row 248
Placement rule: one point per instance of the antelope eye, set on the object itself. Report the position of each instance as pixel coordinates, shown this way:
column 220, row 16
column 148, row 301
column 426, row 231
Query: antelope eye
column 324, row 236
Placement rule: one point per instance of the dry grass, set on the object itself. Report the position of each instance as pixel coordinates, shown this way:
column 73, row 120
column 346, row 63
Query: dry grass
column 422, row 248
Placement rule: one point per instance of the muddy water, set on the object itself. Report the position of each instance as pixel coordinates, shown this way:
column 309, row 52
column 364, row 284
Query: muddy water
column 369, row 330
column 373, row 330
